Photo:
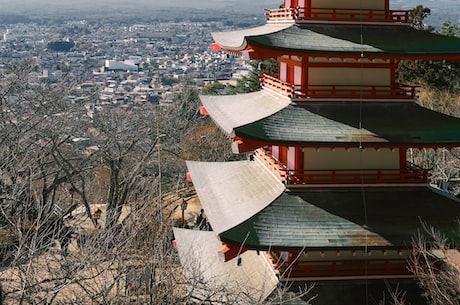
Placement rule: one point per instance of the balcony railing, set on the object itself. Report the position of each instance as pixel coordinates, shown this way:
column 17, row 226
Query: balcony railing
column 410, row 174
column 277, row 85
column 368, row 91
column 356, row 176
column 364, row 15
column 350, row 268
column 276, row 167
column 338, row 91
column 281, row 14
column 337, row 14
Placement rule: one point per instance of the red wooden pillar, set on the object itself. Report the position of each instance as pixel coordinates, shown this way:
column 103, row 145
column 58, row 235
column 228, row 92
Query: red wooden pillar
column 299, row 162
column 387, row 6
column 291, row 68
column 403, row 159
column 307, row 9
column 393, row 68
column 283, row 154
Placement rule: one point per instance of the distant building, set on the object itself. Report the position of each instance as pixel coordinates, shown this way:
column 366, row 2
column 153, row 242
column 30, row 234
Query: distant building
column 113, row 65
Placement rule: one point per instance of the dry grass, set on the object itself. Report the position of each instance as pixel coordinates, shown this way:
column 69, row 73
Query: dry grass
column 444, row 102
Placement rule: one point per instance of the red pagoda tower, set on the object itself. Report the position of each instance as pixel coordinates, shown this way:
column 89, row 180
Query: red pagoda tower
column 328, row 195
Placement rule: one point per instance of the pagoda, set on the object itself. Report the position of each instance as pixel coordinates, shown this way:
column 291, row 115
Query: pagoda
column 328, row 194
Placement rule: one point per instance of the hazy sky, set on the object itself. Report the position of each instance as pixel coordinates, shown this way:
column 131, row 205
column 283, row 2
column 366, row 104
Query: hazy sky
column 449, row 8
column 79, row 3
column 59, row 7
column 26, row 4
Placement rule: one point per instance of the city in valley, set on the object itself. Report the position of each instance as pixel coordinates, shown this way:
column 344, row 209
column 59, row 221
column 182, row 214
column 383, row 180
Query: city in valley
column 131, row 54
column 128, row 61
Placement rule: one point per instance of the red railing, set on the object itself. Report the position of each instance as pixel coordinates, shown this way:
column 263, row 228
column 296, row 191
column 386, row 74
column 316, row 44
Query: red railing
column 338, row 91
column 356, row 176
column 276, row 167
column 337, row 14
column 349, row 268
column 281, row 14
column 277, row 85
column 410, row 174
column 364, row 15
column 369, row 91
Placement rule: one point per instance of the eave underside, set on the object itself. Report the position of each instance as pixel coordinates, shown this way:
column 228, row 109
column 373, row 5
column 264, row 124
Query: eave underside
column 348, row 218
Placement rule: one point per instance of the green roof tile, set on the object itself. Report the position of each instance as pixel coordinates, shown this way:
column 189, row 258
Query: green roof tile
column 348, row 218
column 389, row 40
column 339, row 124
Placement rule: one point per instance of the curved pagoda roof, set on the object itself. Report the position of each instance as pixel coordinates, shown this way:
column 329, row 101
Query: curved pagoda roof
column 400, row 41
column 350, row 218
column 246, row 204
column 332, row 123
column 228, row 110
column 236, row 40
column 355, row 123
column 233, row 191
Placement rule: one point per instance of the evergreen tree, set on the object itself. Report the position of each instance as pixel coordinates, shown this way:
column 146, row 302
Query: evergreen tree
column 449, row 29
column 435, row 74
column 251, row 82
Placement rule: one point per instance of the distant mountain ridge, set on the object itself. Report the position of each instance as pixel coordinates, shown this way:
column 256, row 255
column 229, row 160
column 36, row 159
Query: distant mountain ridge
column 442, row 10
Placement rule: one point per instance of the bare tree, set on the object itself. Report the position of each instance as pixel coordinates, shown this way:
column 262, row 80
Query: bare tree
column 31, row 183
column 436, row 268
column 443, row 163
column 127, row 145
column 58, row 162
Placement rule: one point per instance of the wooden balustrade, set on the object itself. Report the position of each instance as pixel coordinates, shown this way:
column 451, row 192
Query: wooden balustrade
column 410, row 174
column 356, row 176
column 363, row 15
column 337, row 14
column 349, row 268
column 368, row 91
column 277, row 85
column 280, row 14
column 338, row 91
column 276, row 167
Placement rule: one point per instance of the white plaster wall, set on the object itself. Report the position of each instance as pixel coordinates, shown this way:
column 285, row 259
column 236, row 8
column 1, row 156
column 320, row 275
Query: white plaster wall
column 354, row 4
column 276, row 152
column 283, row 71
column 354, row 158
column 297, row 75
column 349, row 76
column 291, row 158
